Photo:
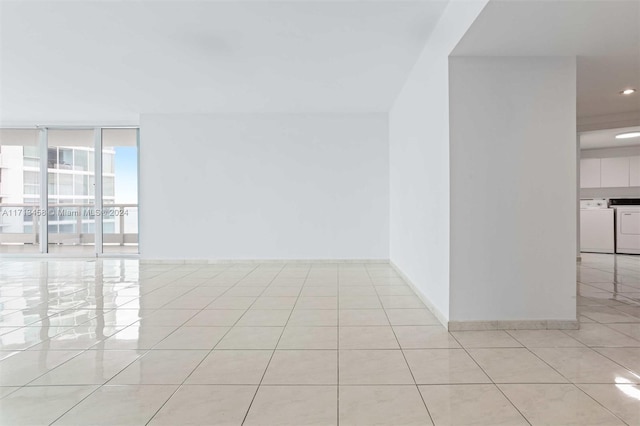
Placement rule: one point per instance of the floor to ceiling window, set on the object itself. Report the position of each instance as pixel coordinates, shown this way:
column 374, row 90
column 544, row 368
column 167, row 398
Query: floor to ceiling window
column 120, row 190
column 19, row 191
column 67, row 210
column 70, row 191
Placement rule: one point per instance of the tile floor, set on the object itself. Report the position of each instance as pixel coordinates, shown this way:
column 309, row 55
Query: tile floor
column 114, row 342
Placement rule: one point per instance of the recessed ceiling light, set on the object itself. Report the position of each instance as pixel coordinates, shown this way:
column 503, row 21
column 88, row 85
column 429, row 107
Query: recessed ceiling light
column 628, row 135
column 628, row 91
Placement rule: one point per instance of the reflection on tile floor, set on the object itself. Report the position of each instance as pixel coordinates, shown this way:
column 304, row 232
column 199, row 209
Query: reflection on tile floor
column 116, row 342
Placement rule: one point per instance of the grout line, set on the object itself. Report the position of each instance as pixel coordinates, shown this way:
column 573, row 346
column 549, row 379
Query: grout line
column 326, row 385
column 80, row 351
column 217, row 343
column 570, row 382
column 490, row 378
column 599, row 403
column 523, row 345
column 99, row 386
column 191, row 288
column 246, row 414
column 401, row 350
column 177, row 327
column 583, row 391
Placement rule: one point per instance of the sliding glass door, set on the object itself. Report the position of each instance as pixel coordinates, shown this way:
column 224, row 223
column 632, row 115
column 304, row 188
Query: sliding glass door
column 120, row 191
column 57, row 196
column 20, row 183
column 71, row 191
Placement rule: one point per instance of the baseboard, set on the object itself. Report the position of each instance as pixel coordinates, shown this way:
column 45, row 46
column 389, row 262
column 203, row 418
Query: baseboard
column 487, row 325
column 514, row 325
column 435, row 311
column 256, row 261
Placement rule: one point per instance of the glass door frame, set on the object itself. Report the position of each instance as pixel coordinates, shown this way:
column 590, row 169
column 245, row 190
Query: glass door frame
column 43, row 146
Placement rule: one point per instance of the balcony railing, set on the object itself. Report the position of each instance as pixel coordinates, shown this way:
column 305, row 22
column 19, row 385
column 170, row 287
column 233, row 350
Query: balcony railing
column 75, row 223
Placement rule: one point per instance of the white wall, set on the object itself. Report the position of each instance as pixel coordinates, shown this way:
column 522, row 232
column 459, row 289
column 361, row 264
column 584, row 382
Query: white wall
column 264, row 186
column 419, row 162
column 513, row 188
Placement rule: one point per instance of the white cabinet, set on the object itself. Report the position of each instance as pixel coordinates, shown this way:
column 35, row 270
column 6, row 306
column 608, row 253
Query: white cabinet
column 614, row 172
column 590, row 173
column 634, row 171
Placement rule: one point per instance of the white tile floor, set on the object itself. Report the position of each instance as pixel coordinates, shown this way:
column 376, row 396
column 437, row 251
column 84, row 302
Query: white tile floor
column 115, row 342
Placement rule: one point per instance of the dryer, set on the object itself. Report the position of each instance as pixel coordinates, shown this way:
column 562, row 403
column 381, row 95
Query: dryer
column 627, row 225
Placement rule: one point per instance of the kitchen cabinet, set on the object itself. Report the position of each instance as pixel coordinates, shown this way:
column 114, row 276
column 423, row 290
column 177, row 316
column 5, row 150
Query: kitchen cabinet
column 590, row 173
column 614, row 172
column 634, row 171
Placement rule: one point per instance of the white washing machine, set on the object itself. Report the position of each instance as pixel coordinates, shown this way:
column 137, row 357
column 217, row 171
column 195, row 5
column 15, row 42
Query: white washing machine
column 627, row 225
column 597, row 229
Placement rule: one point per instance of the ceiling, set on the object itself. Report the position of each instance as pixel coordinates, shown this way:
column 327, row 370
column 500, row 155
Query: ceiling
column 554, row 28
column 607, row 138
column 600, row 81
column 604, row 35
column 108, row 61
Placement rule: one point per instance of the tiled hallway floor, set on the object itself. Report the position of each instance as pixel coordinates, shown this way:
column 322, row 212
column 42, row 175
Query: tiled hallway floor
column 114, row 342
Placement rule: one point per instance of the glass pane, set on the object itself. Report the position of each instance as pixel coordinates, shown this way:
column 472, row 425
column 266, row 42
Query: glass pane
column 31, row 158
column 53, row 184
column 31, row 178
column 81, row 188
column 71, row 215
column 108, row 188
column 31, row 183
column 53, row 158
column 20, row 191
column 81, row 160
column 65, row 158
column 120, row 190
column 92, row 185
column 65, row 182
column 107, row 161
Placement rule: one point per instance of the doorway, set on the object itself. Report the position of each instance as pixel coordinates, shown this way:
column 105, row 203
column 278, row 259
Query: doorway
column 69, row 191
